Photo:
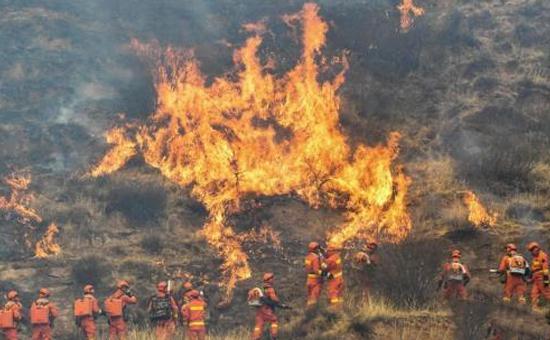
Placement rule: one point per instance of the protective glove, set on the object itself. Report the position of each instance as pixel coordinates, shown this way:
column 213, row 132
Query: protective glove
column 128, row 292
column 546, row 280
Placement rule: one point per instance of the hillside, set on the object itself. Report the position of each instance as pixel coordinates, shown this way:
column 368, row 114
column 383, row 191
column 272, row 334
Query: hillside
column 467, row 87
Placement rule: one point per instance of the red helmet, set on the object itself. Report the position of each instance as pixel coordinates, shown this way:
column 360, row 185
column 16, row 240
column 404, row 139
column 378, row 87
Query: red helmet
column 12, row 295
column 194, row 294
column 532, row 246
column 456, row 253
column 44, row 292
column 162, row 286
column 313, row 246
column 268, row 277
column 122, row 284
column 511, row 246
column 188, row 285
column 88, row 289
column 333, row 246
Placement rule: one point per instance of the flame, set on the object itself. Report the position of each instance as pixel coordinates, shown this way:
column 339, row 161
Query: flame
column 263, row 235
column 47, row 246
column 19, row 202
column 477, row 213
column 258, row 134
column 408, row 11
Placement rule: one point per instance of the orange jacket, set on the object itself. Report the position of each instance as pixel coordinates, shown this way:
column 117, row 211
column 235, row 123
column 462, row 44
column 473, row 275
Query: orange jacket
column 540, row 263
column 313, row 266
column 194, row 313
column 335, row 266
column 53, row 310
column 17, row 309
column 126, row 300
column 448, row 271
column 95, row 303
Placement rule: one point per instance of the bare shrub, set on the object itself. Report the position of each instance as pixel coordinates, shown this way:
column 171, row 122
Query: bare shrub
column 141, row 204
column 152, row 244
column 91, row 269
column 408, row 271
column 471, row 319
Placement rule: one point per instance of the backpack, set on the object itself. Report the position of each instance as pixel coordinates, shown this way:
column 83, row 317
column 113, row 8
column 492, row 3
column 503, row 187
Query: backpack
column 456, row 272
column 83, row 307
column 40, row 314
column 518, row 265
column 255, row 296
column 6, row 319
column 161, row 308
column 113, row 307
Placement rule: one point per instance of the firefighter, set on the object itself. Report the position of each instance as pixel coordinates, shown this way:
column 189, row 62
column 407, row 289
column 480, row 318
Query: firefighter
column 541, row 275
column 187, row 289
column 454, row 278
column 265, row 313
column 115, row 306
column 11, row 315
column 42, row 316
column 163, row 312
column 314, row 270
column 86, row 311
column 194, row 314
column 335, row 279
column 514, row 269
column 364, row 263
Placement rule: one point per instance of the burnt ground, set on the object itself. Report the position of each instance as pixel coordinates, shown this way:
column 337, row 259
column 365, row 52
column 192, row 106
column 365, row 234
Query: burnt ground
column 468, row 87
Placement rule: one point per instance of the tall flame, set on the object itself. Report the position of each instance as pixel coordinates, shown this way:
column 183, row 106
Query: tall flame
column 255, row 133
column 47, row 246
column 477, row 213
column 408, row 11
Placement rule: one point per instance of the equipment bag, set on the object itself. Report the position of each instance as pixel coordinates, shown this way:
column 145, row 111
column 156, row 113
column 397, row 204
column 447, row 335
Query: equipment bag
column 456, row 273
column 6, row 319
column 255, row 296
column 113, row 307
column 518, row 265
column 161, row 308
column 83, row 307
column 40, row 314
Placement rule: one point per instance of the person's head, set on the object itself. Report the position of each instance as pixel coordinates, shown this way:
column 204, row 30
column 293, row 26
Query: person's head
column 187, row 286
column 456, row 255
column 313, row 247
column 162, row 287
column 123, row 284
column 194, row 294
column 372, row 246
column 534, row 248
column 333, row 248
column 44, row 293
column 511, row 248
column 89, row 289
column 12, row 296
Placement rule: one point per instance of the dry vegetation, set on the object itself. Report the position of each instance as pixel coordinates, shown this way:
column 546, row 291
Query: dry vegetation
column 468, row 87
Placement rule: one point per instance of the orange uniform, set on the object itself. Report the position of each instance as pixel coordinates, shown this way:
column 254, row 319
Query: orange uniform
column 87, row 323
column 194, row 314
column 43, row 330
column 314, row 281
column 515, row 284
column 166, row 327
column 456, row 276
column 335, row 284
column 539, row 267
column 10, row 333
column 117, row 325
column 266, row 314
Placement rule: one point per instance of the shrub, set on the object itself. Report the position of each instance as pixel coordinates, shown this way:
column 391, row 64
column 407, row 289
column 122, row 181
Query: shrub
column 408, row 272
column 152, row 244
column 141, row 204
column 91, row 269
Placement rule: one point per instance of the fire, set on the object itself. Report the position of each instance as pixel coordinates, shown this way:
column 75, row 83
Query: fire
column 258, row 134
column 47, row 246
column 408, row 11
column 19, row 202
column 477, row 213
